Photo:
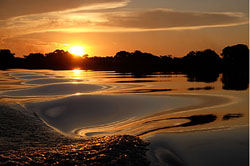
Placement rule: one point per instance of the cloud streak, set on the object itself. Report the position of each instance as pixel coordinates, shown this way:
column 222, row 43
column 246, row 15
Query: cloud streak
column 129, row 21
column 15, row 8
column 170, row 19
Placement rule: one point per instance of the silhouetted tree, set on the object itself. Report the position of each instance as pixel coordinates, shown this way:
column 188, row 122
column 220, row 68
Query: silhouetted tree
column 85, row 56
column 169, row 63
column 122, row 55
column 207, row 60
column 60, row 59
column 236, row 57
column 136, row 61
column 201, row 66
column 6, row 59
column 35, row 61
column 98, row 63
column 235, row 67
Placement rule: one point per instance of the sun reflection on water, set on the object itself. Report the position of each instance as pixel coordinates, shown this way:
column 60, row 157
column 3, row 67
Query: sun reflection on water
column 77, row 73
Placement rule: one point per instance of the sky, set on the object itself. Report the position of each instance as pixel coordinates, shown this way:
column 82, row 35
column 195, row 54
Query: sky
column 104, row 27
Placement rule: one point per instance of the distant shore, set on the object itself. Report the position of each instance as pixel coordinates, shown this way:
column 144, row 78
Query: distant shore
column 232, row 58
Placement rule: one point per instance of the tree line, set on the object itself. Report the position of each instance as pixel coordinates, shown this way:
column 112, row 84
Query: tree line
column 199, row 66
column 234, row 58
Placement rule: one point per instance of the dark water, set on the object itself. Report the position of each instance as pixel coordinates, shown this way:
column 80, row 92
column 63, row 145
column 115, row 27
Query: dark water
column 182, row 119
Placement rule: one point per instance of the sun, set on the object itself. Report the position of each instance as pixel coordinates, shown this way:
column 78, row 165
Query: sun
column 77, row 50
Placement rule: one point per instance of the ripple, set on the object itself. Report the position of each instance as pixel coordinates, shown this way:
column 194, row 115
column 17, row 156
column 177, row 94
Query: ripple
column 55, row 89
column 32, row 77
column 49, row 81
column 74, row 112
column 23, row 73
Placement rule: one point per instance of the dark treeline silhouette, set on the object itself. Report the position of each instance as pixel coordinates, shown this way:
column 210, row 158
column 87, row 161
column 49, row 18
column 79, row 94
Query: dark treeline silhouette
column 59, row 59
column 201, row 66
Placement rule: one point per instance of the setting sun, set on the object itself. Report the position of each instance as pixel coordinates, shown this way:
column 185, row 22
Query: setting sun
column 77, row 50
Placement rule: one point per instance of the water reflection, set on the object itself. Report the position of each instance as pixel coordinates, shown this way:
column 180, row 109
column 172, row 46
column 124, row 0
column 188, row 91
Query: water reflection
column 157, row 110
column 207, row 77
column 135, row 81
column 50, row 81
column 230, row 80
column 232, row 116
column 78, row 111
column 201, row 88
column 101, row 113
column 194, row 120
column 148, row 90
column 235, row 80
column 77, row 72
column 55, row 90
column 137, row 74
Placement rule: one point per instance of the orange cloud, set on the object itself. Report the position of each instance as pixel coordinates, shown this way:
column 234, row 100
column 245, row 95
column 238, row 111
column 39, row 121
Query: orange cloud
column 129, row 21
column 169, row 19
column 15, row 8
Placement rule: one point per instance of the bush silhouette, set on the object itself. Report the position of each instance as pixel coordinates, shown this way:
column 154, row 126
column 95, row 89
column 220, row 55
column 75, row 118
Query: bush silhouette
column 35, row 61
column 236, row 57
column 207, row 60
column 6, row 59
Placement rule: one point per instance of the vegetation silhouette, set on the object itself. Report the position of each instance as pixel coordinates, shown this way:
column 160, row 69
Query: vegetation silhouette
column 60, row 59
column 235, row 57
column 34, row 61
column 205, row 61
column 6, row 59
column 200, row 66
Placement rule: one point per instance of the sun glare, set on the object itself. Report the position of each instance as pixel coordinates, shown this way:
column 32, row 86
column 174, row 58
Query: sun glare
column 77, row 50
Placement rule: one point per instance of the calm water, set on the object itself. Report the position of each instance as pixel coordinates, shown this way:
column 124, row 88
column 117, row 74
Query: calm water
column 188, row 120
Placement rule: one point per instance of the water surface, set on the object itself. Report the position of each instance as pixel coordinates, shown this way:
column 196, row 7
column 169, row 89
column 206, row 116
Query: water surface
column 174, row 112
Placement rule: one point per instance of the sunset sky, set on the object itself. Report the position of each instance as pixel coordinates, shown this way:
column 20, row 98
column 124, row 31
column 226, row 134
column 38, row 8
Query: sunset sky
column 104, row 27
